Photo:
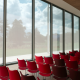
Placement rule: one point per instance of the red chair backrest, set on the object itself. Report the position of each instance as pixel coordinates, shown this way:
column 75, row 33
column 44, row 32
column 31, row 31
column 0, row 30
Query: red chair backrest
column 48, row 60
column 72, row 64
column 56, row 56
column 31, row 65
column 77, row 54
column 23, row 77
column 59, row 71
column 14, row 75
column 75, row 51
column 3, row 71
column 62, row 53
column 59, row 62
column 39, row 59
column 72, row 52
column 64, row 57
column 74, row 58
column 74, row 75
column 21, row 63
column 44, row 68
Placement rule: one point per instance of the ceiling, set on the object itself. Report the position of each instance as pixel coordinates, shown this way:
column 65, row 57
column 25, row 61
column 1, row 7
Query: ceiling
column 74, row 3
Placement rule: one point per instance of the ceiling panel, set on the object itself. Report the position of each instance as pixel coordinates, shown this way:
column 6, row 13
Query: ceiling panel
column 74, row 3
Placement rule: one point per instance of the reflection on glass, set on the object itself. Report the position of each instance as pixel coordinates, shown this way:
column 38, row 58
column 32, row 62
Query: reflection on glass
column 57, row 30
column 19, row 27
column 42, row 28
column 76, row 33
column 68, row 32
column 1, row 30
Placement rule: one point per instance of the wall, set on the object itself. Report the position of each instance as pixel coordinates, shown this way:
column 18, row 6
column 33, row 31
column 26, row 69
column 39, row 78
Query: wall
column 65, row 6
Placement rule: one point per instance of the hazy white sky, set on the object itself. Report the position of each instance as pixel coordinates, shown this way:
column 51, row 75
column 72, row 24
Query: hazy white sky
column 22, row 10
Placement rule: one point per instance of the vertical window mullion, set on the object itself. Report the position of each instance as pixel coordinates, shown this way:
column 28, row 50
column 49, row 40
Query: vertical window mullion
column 79, row 33
column 4, row 32
column 63, row 31
column 33, row 29
column 72, row 32
column 51, row 30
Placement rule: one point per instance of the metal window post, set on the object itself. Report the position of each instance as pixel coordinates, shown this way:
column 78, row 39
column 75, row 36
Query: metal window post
column 72, row 32
column 51, row 29
column 33, row 29
column 63, row 31
column 4, row 32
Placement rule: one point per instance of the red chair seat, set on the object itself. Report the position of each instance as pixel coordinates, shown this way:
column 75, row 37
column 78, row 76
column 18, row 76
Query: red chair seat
column 51, row 64
column 45, row 74
column 79, row 62
column 4, row 78
column 65, row 78
column 73, row 69
column 33, row 71
column 23, row 68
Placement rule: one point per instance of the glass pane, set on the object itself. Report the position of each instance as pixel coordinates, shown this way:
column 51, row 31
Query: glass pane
column 76, row 33
column 68, row 32
column 57, row 30
column 19, row 27
column 1, row 31
column 42, row 28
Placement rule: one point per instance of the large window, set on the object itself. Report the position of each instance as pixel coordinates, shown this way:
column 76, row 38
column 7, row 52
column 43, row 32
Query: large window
column 42, row 28
column 76, row 33
column 1, row 31
column 18, row 31
column 68, row 32
column 57, row 30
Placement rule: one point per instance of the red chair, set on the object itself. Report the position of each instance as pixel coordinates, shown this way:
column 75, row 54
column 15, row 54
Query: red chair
column 39, row 59
column 38, row 78
column 64, row 57
column 59, row 73
column 22, row 65
column 62, row 53
column 4, row 75
column 44, row 70
column 23, row 77
column 72, row 53
column 75, row 51
column 55, row 56
column 74, row 58
column 77, row 54
column 74, row 75
column 59, row 62
column 48, row 60
column 14, row 74
column 32, row 67
column 72, row 65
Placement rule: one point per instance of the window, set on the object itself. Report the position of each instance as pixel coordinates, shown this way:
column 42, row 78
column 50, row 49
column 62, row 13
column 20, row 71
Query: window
column 68, row 32
column 19, row 27
column 76, row 33
column 42, row 28
column 57, row 30
column 1, row 31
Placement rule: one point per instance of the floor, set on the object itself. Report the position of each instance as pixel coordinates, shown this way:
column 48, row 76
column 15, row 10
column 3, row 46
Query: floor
column 15, row 67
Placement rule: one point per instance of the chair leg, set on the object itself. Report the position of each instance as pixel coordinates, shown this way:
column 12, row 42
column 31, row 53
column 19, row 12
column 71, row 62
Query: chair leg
column 44, row 77
column 36, row 75
column 25, row 72
column 50, row 78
